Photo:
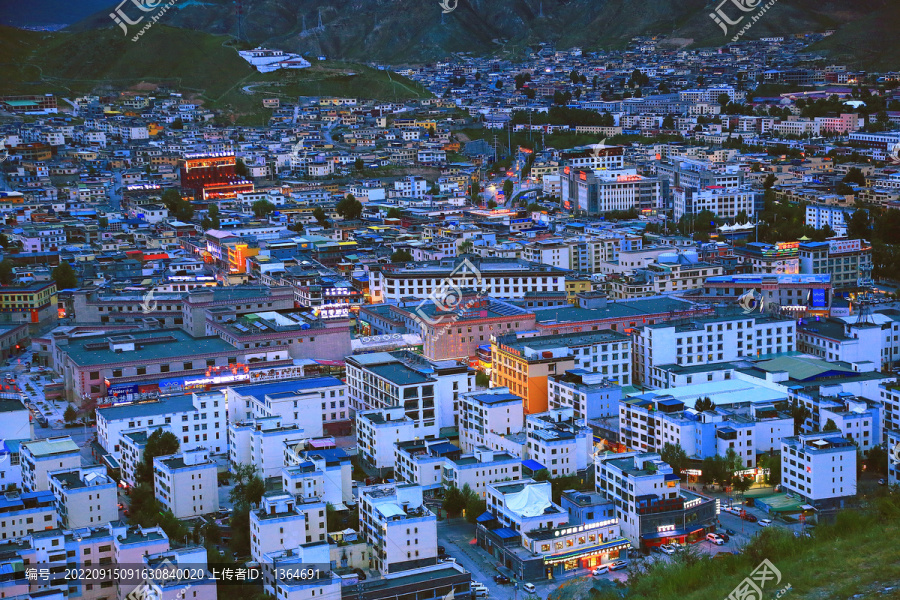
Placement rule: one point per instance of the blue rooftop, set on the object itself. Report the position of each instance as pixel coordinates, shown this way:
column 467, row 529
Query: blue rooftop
column 261, row 390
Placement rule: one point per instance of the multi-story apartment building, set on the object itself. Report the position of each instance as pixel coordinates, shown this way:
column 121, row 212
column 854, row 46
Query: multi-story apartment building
column 524, row 364
column 401, row 530
column 480, row 469
column 709, row 340
column 318, row 405
column 489, row 413
column 839, row 340
column 820, row 468
column 285, row 521
column 651, row 507
column 186, row 483
column 848, row 262
column 197, row 420
column 35, row 304
column 557, row 442
column 261, row 442
column 41, row 457
column 423, row 461
column 591, row 395
column 444, row 280
column 428, row 392
column 650, row 421
column 85, row 497
column 379, row 430
column 23, row 513
column 319, row 473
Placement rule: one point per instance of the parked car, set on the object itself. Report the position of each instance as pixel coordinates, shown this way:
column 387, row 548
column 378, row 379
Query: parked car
column 715, row 539
column 731, row 532
column 501, row 579
column 449, row 559
column 600, row 570
column 528, row 587
column 749, row 518
column 725, row 537
column 764, row 522
column 667, row 549
column 617, row 565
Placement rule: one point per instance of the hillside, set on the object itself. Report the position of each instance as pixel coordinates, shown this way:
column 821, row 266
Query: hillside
column 397, row 31
column 201, row 64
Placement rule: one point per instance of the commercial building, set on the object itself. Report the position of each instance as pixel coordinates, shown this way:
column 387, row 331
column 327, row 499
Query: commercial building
column 590, row 192
column 779, row 259
column 819, row 468
column 651, row 507
column 724, row 203
column 35, row 305
column 187, row 483
column 848, row 262
column 800, row 294
column 524, row 364
column 535, row 538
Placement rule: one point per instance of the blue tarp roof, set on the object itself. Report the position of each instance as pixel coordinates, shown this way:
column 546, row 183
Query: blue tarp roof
column 484, row 517
column 532, row 465
column 505, row 533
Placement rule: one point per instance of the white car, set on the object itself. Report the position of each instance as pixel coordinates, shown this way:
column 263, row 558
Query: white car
column 528, row 587
column 667, row 549
column 601, row 570
column 764, row 522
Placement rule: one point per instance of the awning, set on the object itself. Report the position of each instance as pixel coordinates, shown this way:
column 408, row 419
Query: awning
column 532, row 465
column 505, row 533
column 484, row 517
column 807, row 507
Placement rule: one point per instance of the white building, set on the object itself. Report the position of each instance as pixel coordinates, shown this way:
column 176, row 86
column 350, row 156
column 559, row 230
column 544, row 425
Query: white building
column 261, row 443
column 198, row 420
column 819, row 467
column 489, row 413
column 85, row 497
column 400, row 528
column 283, row 521
column 40, row 457
column 723, row 203
column 187, row 483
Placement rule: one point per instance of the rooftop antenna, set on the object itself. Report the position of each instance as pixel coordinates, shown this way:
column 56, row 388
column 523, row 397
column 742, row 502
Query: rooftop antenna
column 240, row 14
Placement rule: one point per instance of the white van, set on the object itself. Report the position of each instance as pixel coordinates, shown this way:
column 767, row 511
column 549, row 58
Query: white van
column 481, row 592
column 528, row 587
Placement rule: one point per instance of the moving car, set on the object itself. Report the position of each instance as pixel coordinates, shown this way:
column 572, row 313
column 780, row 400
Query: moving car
column 617, row 565
column 750, row 518
column 731, row 532
column 764, row 522
column 501, row 579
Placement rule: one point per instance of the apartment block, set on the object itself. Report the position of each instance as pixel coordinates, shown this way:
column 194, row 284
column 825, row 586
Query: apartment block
column 820, row 468
column 85, row 497
column 40, row 457
column 187, row 483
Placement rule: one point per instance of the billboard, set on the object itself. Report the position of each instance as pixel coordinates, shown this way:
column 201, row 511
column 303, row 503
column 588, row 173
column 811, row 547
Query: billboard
column 842, row 246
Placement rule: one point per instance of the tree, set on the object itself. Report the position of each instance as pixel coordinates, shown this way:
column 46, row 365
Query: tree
column 508, row 187
column 320, row 216
column 482, row 379
column 476, row 191
column 359, row 164
column 799, row 413
column 475, row 506
column 178, row 123
column 454, row 502
column 541, row 475
column 534, row 207
column 492, row 204
column 855, row 175
column 675, row 456
column 70, row 414
column 770, row 181
column 877, row 460
column 772, row 462
column 858, row 225
column 159, row 443
column 262, row 208
column 64, row 276
column 704, row 404
column 668, row 122
column 394, row 213
column 349, row 208
column 240, row 168
column 723, row 100
column 830, row 425
column 212, row 219
column 6, row 272
column 248, row 487
column 401, row 256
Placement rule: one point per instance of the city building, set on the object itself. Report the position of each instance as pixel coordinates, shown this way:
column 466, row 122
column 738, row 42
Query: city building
column 401, row 530
column 85, row 497
column 820, row 468
column 186, row 483
column 41, row 457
